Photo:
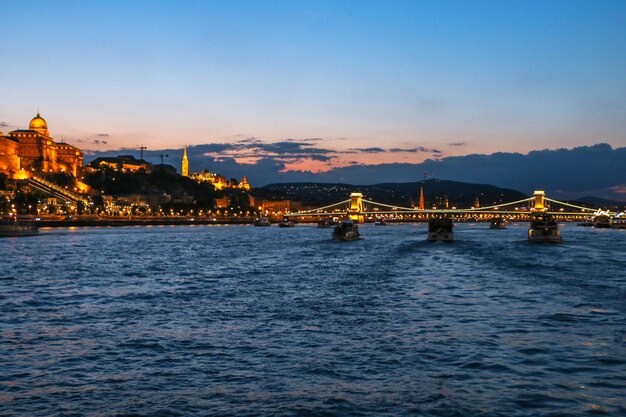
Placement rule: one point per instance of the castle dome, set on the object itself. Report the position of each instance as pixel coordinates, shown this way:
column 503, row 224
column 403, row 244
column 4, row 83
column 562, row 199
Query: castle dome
column 39, row 124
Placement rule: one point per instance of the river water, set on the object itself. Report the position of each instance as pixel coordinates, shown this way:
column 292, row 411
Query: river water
column 238, row 320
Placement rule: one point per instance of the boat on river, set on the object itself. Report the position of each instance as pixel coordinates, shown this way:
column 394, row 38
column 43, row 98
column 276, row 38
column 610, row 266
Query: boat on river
column 17, row 228
column 380, row 222
column 346, row 230
column 602, row 220
column 619, row 221
column 262, row 222
column 287, row 223
column 440, row 229
column 498, row 223
column 544, row 228
column 326, row 223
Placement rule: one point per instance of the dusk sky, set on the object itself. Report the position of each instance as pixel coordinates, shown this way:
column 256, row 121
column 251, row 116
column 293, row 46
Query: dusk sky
column 415, row 79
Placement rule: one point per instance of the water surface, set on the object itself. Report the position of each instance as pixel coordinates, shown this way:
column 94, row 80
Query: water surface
column 237, row 320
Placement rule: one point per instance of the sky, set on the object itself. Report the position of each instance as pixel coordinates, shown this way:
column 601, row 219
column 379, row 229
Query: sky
column 362, row 82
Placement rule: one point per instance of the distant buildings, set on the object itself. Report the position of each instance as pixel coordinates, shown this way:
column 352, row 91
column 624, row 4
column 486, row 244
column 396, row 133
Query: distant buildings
column 279, row 207
column 218, row 181
column 27, row 152
column 124, row 163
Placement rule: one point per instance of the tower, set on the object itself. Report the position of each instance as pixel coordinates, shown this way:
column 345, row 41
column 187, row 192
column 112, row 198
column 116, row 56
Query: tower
column 540, row 204
column 421, row 207
column 356, row 208
column 185, row 164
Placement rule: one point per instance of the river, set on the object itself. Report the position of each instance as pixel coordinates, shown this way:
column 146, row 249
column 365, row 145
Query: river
column 245, row 321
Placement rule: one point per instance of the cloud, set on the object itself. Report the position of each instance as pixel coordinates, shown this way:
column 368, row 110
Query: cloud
column 596, row 170
column 416, row 149
column 305, row 140
column 368, row 150
column 103, row 135
column 4, row 124
column 457, row 144
column 249, row 140
column 618, row 189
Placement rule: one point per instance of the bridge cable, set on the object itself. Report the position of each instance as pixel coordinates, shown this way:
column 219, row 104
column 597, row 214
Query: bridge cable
column 321, row 208
column 570, row 205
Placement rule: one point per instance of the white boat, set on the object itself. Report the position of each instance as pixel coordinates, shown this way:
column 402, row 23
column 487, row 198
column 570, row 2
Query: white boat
column 287, row 223
column 440, row 230
column 544, row 228
column 346, row 230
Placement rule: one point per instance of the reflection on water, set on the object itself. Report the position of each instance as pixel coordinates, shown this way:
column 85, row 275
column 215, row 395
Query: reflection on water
column 236, row 320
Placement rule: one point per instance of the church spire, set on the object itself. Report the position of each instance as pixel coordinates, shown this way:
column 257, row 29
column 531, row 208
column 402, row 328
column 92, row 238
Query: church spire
column 185, row 164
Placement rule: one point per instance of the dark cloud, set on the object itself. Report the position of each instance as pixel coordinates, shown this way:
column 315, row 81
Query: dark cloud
column 256, row 149
column 368, row 150
column 305, row 140
column 596, row 170
column 103, row 135
column 4, row 124
column 457, row 144
column 416, row 150
column 249, row 140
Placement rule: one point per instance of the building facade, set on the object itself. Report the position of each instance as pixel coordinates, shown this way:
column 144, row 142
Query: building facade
column 26, row 152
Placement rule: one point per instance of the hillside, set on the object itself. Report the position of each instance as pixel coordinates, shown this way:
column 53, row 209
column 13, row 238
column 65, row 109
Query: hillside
column 459, row 194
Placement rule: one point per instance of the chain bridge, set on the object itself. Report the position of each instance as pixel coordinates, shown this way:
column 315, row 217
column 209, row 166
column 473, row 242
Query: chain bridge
column 359, row 209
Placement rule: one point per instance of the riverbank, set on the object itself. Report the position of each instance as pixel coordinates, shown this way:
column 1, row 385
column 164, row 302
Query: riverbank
column 155, row 221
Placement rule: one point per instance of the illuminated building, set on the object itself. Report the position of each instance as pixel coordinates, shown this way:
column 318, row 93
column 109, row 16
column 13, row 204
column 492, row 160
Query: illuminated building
column 244, row 184
column 218, row 181
column 25, row 152
column 282, row 206
column 185, row 164
column 124, row 163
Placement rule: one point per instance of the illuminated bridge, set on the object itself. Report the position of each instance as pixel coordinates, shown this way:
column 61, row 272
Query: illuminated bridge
column 359, row 209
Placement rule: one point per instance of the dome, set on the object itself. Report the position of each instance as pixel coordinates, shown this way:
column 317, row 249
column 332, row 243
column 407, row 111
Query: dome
column 39, row 124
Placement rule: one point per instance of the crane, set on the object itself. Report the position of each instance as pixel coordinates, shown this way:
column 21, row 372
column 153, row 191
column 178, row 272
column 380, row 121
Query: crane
column 141, row 149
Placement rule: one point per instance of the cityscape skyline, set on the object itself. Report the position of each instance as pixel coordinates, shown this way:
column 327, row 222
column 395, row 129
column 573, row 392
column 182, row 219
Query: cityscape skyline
column 394, row 83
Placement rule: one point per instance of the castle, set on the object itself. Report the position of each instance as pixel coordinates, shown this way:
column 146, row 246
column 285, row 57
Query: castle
column 218, row 181
column 25, row 152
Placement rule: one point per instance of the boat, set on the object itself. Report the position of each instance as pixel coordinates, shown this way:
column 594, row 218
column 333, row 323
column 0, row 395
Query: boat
column 440, row 229
column 602, row 220
column 17, row 228
column 287, row 223
column 498, row 223
column 380, row 222
column 588, row 222
column 262, row 222
column 326, row 223
column 346, row 230
column 619, row 221
column 544, row 228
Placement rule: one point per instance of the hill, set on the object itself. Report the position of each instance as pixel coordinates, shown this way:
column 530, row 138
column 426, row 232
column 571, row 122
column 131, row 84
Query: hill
column 459, row 194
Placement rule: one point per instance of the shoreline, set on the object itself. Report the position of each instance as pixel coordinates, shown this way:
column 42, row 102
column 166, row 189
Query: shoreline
column 189, row 222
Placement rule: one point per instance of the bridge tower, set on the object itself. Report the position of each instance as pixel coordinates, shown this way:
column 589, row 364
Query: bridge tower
column 356, row 208
column 540, row 201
